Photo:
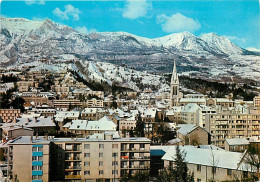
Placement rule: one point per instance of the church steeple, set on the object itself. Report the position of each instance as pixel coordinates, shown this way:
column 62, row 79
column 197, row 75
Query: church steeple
column 175, row 79
column 174, row 97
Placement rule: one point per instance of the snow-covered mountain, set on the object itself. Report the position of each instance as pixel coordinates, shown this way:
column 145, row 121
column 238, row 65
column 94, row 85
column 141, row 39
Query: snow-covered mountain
column 24, row 41
column 221, row 43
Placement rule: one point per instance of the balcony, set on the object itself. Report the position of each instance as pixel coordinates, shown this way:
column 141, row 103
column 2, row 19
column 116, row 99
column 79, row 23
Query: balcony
column 69, row 168
column 73, row 158
column 72, row 176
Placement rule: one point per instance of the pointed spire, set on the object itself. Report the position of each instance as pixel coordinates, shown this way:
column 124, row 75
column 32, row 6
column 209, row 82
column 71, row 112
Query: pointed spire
column 175, row 79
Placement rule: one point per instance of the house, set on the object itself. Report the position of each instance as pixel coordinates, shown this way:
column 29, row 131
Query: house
column 236, row 144
column 84, row 127
column 191, row 134
column 208, row 163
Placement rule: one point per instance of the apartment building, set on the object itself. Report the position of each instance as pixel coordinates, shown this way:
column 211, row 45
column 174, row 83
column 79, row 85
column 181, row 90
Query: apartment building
column 257, row 101
column 9, row 115
column 94, row 103
column 66, row 103
column 39, row 98
column 226, row 125
column 29, row 159
column 101, row 157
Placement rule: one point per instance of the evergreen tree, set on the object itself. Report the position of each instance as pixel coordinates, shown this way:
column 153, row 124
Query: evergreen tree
column 139, row 129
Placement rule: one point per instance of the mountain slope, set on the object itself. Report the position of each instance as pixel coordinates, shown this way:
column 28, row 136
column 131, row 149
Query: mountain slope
column 221, row 43
column 24, row 41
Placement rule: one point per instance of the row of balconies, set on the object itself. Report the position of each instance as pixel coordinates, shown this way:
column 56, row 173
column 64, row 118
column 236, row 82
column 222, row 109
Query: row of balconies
column 133, row 157
column 132, row 149
column 73, row 167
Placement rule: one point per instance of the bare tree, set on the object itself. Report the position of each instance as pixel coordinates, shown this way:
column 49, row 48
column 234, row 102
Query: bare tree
column 214, row 162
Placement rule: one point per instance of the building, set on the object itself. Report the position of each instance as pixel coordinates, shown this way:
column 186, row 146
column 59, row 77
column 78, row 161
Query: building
column 38, row 98
column 190, row 134
column 192, row 114
column 94, row 103
column 85, row 128
column 226, row 125
column 39, row 125
column 9, row 115
column 29, row 159
column 236, row 144
column 257, row 101
column 198, row 101
column 92, row 113
column 207, row 163
column 67, row 103
column 175, row 85
column 100, row 157
column 17, row 131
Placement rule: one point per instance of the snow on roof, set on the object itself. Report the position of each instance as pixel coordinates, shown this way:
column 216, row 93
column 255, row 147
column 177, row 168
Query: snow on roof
column 169, row 112
column 35, row 122
column 30, row 123
column 191, row 107
column 237, row 141
column 174, row 141
column 160, row 105
column 190, row 100
column 150, row 112
column 67, row 114
column 30, row 140
column 186, row 128
column 67, row 125
column 89, row 111
column 202, row 156
column 104, row 124
column 223, row 100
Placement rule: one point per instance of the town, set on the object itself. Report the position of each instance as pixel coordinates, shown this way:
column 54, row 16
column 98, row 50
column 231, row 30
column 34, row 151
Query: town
column 57, row 126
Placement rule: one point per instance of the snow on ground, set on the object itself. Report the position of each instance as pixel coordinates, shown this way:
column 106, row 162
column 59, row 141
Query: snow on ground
column 107, row 72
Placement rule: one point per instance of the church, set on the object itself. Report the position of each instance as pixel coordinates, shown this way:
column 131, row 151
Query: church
column 175, row 86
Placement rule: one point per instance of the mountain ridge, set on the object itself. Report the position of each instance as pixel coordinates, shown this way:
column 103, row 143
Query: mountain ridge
column 24, row 41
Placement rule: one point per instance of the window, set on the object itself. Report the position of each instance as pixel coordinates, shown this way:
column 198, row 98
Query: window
column 87, row 146
column 101, row 146
column 229, row 172
column 115, row 146
column 142, row 145
column 59, row 155
column 114, row 163
column 34, row 158
column 37, row 177
column 101, row 172
column 86, row 163
column 100, row 163
column 115, row 172
column 100, row 154
column 37, row 158
column 141, row 163
column 214, row 169
column 37, row 168
column 114, row 154
column 59, row 146
column 86, row 172
column 198, row 167
column 198, row 180
column 87, row 155
column 245, row 174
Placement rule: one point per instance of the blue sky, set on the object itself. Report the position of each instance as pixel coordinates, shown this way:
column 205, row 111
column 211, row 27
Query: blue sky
column 239, row 20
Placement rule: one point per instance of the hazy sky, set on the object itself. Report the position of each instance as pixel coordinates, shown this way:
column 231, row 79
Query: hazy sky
column 239, row 20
